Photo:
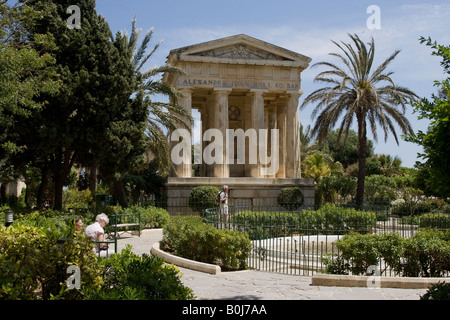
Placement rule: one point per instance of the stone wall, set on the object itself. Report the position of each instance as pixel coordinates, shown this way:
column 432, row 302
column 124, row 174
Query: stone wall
column 244, row 193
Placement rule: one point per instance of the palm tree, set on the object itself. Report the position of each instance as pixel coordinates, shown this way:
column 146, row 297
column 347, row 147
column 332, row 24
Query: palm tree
column 318, row 165
column 355, row 92
column 308, row 145
column 164, row 116
column 389, row 166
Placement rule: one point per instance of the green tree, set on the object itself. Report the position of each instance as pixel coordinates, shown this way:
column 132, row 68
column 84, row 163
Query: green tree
column 308, row 144
column 141, row 124
column 357, row 92
column 318, row 165
column 70, row 127
column 389, row 166
column 346, row 153
column 435, row 141
column 25, row 73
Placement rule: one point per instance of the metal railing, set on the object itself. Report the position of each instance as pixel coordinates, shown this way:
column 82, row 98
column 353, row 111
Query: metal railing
column 298, row 242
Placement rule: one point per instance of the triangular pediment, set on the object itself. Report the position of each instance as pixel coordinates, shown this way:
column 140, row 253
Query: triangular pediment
column 240, row 49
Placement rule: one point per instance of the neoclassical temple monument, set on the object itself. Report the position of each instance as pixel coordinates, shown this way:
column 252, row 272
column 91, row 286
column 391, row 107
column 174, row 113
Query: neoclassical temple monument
column 241, row 85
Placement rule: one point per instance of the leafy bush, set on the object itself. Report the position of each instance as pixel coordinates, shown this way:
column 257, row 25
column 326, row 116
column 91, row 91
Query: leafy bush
column 330, row 188
column 32, row 262
column 439, row 291
column 290, row 198
column 363, row 251
column 191, row 238
column 425, row 254
column 329, row 219
column 128, row 276
column 202, row 198
column 151, row 217
column 76, row 199
column 434, row 220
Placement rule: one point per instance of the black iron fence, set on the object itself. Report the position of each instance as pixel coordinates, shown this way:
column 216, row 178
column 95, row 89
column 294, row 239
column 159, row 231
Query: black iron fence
column 305, row 242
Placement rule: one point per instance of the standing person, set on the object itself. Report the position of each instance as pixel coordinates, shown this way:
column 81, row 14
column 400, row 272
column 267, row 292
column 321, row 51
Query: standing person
column 223, row 199
column 96, row 232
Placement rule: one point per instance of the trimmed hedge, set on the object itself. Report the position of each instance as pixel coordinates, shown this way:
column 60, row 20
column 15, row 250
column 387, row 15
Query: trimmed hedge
column 191, row 238
column 151, row 217
column 435, row 220
column 426, row 254
column 290, row 198
column 329, row 219
column 202, row 198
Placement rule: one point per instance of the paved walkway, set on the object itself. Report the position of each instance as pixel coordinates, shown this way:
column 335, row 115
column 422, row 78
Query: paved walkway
column 258, row 285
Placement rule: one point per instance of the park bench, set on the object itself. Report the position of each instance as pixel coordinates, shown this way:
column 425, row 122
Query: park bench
column 125, row 222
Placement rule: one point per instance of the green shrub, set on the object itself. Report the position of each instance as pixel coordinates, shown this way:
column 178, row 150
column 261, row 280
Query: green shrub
column 76, row 199
column 191, row 238
column 329, row 219
column 131, row 277
column 290, row 198
column 361, row 251
column 202, row 198
column 435, row 220
column 151, row 217
column 31, row 262
column 426, row 254
column 439, row 291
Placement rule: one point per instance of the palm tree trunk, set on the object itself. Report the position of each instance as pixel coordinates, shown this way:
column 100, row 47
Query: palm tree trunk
column 362, row 149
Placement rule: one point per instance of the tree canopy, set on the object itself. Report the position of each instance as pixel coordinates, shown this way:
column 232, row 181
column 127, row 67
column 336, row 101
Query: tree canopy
column 435, row 140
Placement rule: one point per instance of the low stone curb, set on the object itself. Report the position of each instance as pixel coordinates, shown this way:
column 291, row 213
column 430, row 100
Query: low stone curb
column 183, row 262
column 332, row 280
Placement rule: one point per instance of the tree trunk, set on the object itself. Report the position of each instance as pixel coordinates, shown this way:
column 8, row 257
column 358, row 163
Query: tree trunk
column 93, row 183
column 59, row 179
column 362, row 148
column 120, row 193
column 3, row 193
column 63, row 165
column 42, row 188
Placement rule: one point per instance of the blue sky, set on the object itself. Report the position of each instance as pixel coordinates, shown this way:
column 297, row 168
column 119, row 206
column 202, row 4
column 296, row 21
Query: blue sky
column 305, row 27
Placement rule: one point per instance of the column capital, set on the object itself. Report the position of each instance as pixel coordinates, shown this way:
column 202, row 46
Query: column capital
column 257, row 92
column 222, row 90
column 294, row 95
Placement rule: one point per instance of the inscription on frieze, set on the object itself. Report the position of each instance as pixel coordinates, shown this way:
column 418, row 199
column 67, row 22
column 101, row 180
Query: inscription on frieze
column 238, row 84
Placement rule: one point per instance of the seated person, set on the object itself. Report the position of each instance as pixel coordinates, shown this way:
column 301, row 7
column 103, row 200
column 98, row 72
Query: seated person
column 78, row 224
column 95, row 231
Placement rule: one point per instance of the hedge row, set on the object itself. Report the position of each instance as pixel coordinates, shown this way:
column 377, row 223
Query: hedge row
column 191, row 238
column 329, row 219
column 426, row 254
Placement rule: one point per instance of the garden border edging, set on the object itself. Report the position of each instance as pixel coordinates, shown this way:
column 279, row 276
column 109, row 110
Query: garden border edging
column 183, row 262
column 374, row 282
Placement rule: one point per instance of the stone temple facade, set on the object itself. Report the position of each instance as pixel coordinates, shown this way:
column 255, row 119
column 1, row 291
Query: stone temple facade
column 240, row 85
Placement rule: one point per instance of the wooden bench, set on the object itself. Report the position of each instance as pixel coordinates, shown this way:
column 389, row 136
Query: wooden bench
column 125, row 221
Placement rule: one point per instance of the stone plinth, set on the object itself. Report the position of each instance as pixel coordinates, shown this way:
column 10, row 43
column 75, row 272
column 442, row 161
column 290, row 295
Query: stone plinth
column 244, row 193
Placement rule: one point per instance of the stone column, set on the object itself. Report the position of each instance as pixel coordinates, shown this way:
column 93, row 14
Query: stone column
column 272, row 124
column 281, row 119
column 205, row 125
column 184, row 170
column 257, row 122
column 221, row 170
column 292, row 137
